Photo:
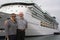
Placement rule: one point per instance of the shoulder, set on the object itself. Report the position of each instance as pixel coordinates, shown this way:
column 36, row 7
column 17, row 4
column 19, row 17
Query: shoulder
column 6, row 21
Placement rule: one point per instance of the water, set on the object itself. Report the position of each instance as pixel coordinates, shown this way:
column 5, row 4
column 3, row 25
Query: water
column 50, row 37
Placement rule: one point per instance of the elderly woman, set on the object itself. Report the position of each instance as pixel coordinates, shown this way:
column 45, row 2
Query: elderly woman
column 11, row 26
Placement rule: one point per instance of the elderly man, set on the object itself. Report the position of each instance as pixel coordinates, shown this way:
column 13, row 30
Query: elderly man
column 22, row 25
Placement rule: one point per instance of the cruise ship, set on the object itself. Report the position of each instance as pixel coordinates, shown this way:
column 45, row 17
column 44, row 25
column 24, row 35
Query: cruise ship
column 39, row 22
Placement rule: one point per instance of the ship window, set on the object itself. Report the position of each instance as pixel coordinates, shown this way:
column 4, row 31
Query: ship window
column 30, row 8
column 35, row 13
column 26, row 6
column 48, row 18
column 21, row 6
column 45, row 24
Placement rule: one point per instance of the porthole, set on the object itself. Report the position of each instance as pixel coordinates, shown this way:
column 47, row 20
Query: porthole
column 19, row 6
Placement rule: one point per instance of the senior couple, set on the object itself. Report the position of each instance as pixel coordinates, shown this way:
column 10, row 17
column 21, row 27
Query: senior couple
column 15, row 27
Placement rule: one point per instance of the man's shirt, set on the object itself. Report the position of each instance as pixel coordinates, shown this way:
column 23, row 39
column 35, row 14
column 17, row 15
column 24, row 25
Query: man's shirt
column 22, row 23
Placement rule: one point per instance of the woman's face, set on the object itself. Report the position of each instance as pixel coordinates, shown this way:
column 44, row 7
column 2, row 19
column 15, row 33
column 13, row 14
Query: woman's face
column 13, row 17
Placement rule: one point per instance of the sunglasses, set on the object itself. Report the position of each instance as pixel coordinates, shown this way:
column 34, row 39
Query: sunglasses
column 13, row 16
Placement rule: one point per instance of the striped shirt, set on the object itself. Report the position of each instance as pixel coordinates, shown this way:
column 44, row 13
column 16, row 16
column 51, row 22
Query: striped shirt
column 10, row 27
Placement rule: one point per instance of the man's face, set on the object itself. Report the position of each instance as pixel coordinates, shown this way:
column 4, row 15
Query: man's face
column 21, row 15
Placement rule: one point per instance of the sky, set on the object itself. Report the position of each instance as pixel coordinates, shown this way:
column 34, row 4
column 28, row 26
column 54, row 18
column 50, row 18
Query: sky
column 51, row 6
